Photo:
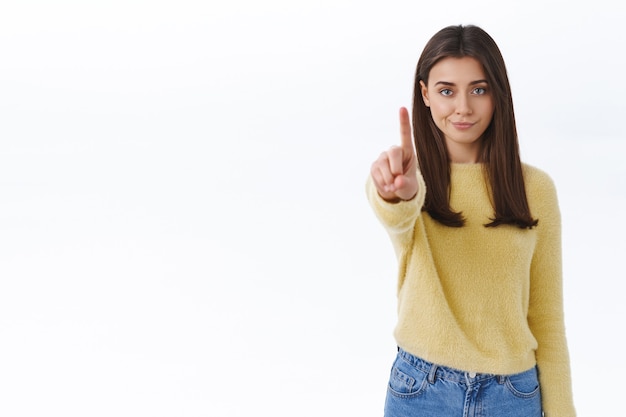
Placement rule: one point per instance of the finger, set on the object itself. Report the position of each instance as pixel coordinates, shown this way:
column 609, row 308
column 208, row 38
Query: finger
column 405, row 130
column 381, row 172
column 382, row 186
column 385, row 169
column 394, row 154
column 378, row 180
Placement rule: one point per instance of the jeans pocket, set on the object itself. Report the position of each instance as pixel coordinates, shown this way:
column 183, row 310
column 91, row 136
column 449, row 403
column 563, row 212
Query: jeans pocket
column 523, row 385
column 406, row 380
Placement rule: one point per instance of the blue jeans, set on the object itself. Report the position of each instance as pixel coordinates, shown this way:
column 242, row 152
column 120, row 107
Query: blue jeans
column 421, row 389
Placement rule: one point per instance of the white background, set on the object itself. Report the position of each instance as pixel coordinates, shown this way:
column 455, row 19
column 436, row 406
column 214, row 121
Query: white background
column 183, row 224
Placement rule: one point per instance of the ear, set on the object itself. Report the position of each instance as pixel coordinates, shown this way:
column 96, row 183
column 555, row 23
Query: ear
column 424, row 91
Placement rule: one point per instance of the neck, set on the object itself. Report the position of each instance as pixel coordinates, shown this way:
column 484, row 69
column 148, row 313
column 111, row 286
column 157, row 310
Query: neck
column 463, row 153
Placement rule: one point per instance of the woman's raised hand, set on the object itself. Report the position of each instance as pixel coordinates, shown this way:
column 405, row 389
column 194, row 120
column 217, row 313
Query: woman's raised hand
column 395, row 171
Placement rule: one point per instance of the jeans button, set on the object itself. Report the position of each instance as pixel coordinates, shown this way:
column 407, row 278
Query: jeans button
column 472, row 374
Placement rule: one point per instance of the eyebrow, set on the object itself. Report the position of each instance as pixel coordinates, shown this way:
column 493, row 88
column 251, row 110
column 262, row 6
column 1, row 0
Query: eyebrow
column 452, row 84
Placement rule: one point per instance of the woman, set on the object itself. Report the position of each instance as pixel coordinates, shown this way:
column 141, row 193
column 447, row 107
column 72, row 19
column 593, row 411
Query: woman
column 477, row 235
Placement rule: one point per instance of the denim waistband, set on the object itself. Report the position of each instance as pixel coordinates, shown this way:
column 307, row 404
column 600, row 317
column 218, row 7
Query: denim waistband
column 444, row 372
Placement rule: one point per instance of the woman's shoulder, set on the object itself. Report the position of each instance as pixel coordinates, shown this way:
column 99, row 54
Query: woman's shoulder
column 536, row 177
column 539, row 184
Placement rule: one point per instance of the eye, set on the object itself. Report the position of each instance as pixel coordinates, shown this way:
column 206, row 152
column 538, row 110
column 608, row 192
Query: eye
column 445, row 92
column 479, row 91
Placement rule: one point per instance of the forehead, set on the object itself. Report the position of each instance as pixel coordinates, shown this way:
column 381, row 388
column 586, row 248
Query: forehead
column 457, row 71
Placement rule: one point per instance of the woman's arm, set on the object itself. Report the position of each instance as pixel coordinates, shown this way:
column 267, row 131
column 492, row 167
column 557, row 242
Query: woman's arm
column 545, row 315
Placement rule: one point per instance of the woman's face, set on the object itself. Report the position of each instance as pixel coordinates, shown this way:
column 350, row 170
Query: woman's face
column 461, row 105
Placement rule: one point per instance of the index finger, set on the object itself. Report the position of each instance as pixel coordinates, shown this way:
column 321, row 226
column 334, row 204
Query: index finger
column 405, row 130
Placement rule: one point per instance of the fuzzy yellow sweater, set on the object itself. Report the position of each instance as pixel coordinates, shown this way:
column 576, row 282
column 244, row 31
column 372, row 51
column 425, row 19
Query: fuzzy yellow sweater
column 478, row 298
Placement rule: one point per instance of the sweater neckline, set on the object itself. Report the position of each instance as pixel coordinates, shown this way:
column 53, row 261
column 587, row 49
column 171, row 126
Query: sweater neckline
column 469, row 165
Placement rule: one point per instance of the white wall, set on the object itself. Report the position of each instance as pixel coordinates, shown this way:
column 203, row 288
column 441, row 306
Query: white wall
column 183, row 225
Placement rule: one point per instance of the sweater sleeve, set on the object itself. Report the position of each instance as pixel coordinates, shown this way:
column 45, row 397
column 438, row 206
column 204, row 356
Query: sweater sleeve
column 399, row 218
column 545, row 313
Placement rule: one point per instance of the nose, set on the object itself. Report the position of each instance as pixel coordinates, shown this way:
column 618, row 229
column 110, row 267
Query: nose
column 463, row 105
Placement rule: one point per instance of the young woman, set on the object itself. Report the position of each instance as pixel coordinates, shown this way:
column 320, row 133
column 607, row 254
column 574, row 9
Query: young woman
column 477, row 235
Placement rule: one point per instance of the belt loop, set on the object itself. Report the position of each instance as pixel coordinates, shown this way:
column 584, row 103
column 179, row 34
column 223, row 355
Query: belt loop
column 501, row 379
column 432, row 374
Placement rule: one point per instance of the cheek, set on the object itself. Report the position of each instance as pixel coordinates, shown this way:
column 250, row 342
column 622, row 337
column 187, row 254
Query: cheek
column 439, row 110
column 488, row 110
column 488, row 117
column 440, row 117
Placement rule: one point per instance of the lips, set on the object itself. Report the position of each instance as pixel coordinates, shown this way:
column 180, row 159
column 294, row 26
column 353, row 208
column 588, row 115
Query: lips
column 462, row 125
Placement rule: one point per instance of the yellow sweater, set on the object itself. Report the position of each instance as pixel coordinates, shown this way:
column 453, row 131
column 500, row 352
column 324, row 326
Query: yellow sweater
column 478, row 298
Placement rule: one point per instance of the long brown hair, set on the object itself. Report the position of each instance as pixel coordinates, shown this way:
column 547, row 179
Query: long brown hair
column 499, row 146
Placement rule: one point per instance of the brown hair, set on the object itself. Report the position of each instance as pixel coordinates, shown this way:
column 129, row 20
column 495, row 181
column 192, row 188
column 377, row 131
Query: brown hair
column 499, row 146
